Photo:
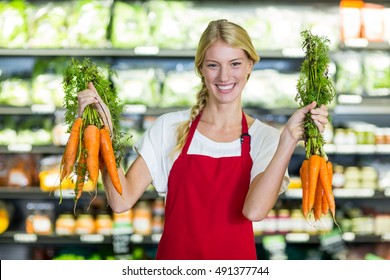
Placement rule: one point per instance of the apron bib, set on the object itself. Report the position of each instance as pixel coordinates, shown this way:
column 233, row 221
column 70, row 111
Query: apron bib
column 203, row 213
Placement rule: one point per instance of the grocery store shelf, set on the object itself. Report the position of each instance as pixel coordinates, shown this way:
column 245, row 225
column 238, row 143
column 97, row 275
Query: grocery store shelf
column 23, row 148
column 143, row 51
column 342, row 193
column 12, row 237
column 36, row 239
column 32, row 193
column 382, row 149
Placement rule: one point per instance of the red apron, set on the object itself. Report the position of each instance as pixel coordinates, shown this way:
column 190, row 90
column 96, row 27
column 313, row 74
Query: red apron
column 203, row 213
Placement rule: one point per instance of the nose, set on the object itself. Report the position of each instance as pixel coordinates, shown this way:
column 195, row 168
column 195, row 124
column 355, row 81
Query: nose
column 224, row 74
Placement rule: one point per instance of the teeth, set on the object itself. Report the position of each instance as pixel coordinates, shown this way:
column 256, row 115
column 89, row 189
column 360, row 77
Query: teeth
column 226, row 87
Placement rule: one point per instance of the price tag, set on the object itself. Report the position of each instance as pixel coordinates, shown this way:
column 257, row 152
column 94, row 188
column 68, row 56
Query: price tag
column 43, row 108
column 330, row 148
column 137, row 238
column 92, row 238
column 349, row 236
column 19, row 147
column 346, row 149
column 297, row 237
column 156, row 237
column 354, row 192
column 366, row 149
column 294, row 193
column 67, row 193
column 25, row 237
column 385, row 237
column 146, row 50
column 383, row 148
column 135, row 109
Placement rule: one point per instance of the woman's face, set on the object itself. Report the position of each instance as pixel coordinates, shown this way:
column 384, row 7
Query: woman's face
column 225, row 70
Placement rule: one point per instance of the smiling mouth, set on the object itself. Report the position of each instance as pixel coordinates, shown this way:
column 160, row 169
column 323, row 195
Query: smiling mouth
column 225, row 87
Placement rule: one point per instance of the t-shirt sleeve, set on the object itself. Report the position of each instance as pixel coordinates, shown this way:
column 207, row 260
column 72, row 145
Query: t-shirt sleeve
column 155, row 147
column 264, row 152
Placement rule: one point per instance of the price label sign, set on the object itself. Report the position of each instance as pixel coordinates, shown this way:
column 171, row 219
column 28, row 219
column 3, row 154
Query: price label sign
column 120, row 243
column 332, row 242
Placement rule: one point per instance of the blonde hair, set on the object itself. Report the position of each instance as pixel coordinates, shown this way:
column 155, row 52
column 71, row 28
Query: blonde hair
column 218, row 30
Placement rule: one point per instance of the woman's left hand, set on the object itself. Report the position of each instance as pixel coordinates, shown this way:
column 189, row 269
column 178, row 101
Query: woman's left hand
column 295, row 124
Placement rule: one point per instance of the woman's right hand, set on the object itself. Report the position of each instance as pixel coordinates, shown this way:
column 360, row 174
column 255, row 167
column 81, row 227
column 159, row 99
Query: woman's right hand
column 90, row 96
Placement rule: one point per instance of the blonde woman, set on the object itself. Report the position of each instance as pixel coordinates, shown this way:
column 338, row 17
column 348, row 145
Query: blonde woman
column 220, row 168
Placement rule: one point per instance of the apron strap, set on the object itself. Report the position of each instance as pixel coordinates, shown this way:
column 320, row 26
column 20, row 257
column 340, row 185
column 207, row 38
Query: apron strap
column 190, row 135
column 245, row 137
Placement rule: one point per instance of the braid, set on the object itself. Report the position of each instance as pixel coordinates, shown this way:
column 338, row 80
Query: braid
column 184, row 128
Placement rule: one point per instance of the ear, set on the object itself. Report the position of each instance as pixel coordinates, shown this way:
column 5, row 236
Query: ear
column 250, row 66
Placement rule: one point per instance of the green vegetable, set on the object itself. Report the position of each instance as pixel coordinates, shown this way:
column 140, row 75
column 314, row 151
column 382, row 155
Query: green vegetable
column 314, row 84
column 77, row 75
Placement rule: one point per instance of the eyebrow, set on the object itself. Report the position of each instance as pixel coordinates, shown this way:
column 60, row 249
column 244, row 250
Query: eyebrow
column 212, row 60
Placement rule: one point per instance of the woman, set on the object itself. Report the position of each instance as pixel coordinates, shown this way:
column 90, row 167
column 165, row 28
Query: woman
column 221, row 169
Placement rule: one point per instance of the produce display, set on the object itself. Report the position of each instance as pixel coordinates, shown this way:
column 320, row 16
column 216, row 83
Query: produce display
column 90, row 143
column 314, row 84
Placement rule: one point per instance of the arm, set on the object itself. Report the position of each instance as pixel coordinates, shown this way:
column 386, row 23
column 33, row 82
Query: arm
column 134, row 184
column 137, row 178
column 264, row 189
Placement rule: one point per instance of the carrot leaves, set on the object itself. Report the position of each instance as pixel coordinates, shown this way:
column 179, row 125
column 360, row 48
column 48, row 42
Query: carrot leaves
column 314, row 84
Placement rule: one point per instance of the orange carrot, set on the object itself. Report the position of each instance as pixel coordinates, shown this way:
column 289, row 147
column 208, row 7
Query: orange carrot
column 107, row 152
column 70, row 152
column 81, row 171
column 314, row 169
column 92, row 140
column 304, row 173
column 325, row 204
column 318, row 201
column 327, row 187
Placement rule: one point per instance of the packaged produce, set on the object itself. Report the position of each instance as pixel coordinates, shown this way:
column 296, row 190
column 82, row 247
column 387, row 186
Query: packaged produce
column 130, row 25
column 65, row 224
column 49, row 174
column 88, row 23
column 5, row 216
column 179, row 87
column 39, row 218
column 349, row 74
column 47, row 24
column 103, row 224
column 138, row 86
column 21, row 171
column 350, row 13
column 13, row 25
column 377, row 74
column 373, row 22
column 169, row 23
column 123, row 222
column 142, row 220
column 15, row 91
column 85, row 224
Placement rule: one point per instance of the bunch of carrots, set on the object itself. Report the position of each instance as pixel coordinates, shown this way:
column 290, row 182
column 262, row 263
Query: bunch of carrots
column 316, row 171
column 90, row 145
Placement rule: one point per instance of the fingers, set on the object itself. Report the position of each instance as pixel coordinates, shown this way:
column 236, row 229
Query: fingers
column 320, row 117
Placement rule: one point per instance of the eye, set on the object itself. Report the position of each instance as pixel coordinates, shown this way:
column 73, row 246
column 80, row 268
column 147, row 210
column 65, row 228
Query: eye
column 236, row 64
column 212, row 65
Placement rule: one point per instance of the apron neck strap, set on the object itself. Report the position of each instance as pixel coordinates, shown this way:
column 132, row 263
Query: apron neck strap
column 245, row 137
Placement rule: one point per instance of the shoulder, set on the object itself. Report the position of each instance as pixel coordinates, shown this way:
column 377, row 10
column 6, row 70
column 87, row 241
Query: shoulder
column 174, row 117
column 264, row 133
column 170, row 119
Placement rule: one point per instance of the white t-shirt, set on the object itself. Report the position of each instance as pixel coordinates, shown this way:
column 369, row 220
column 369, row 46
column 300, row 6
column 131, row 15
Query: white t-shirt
column 157, row 143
